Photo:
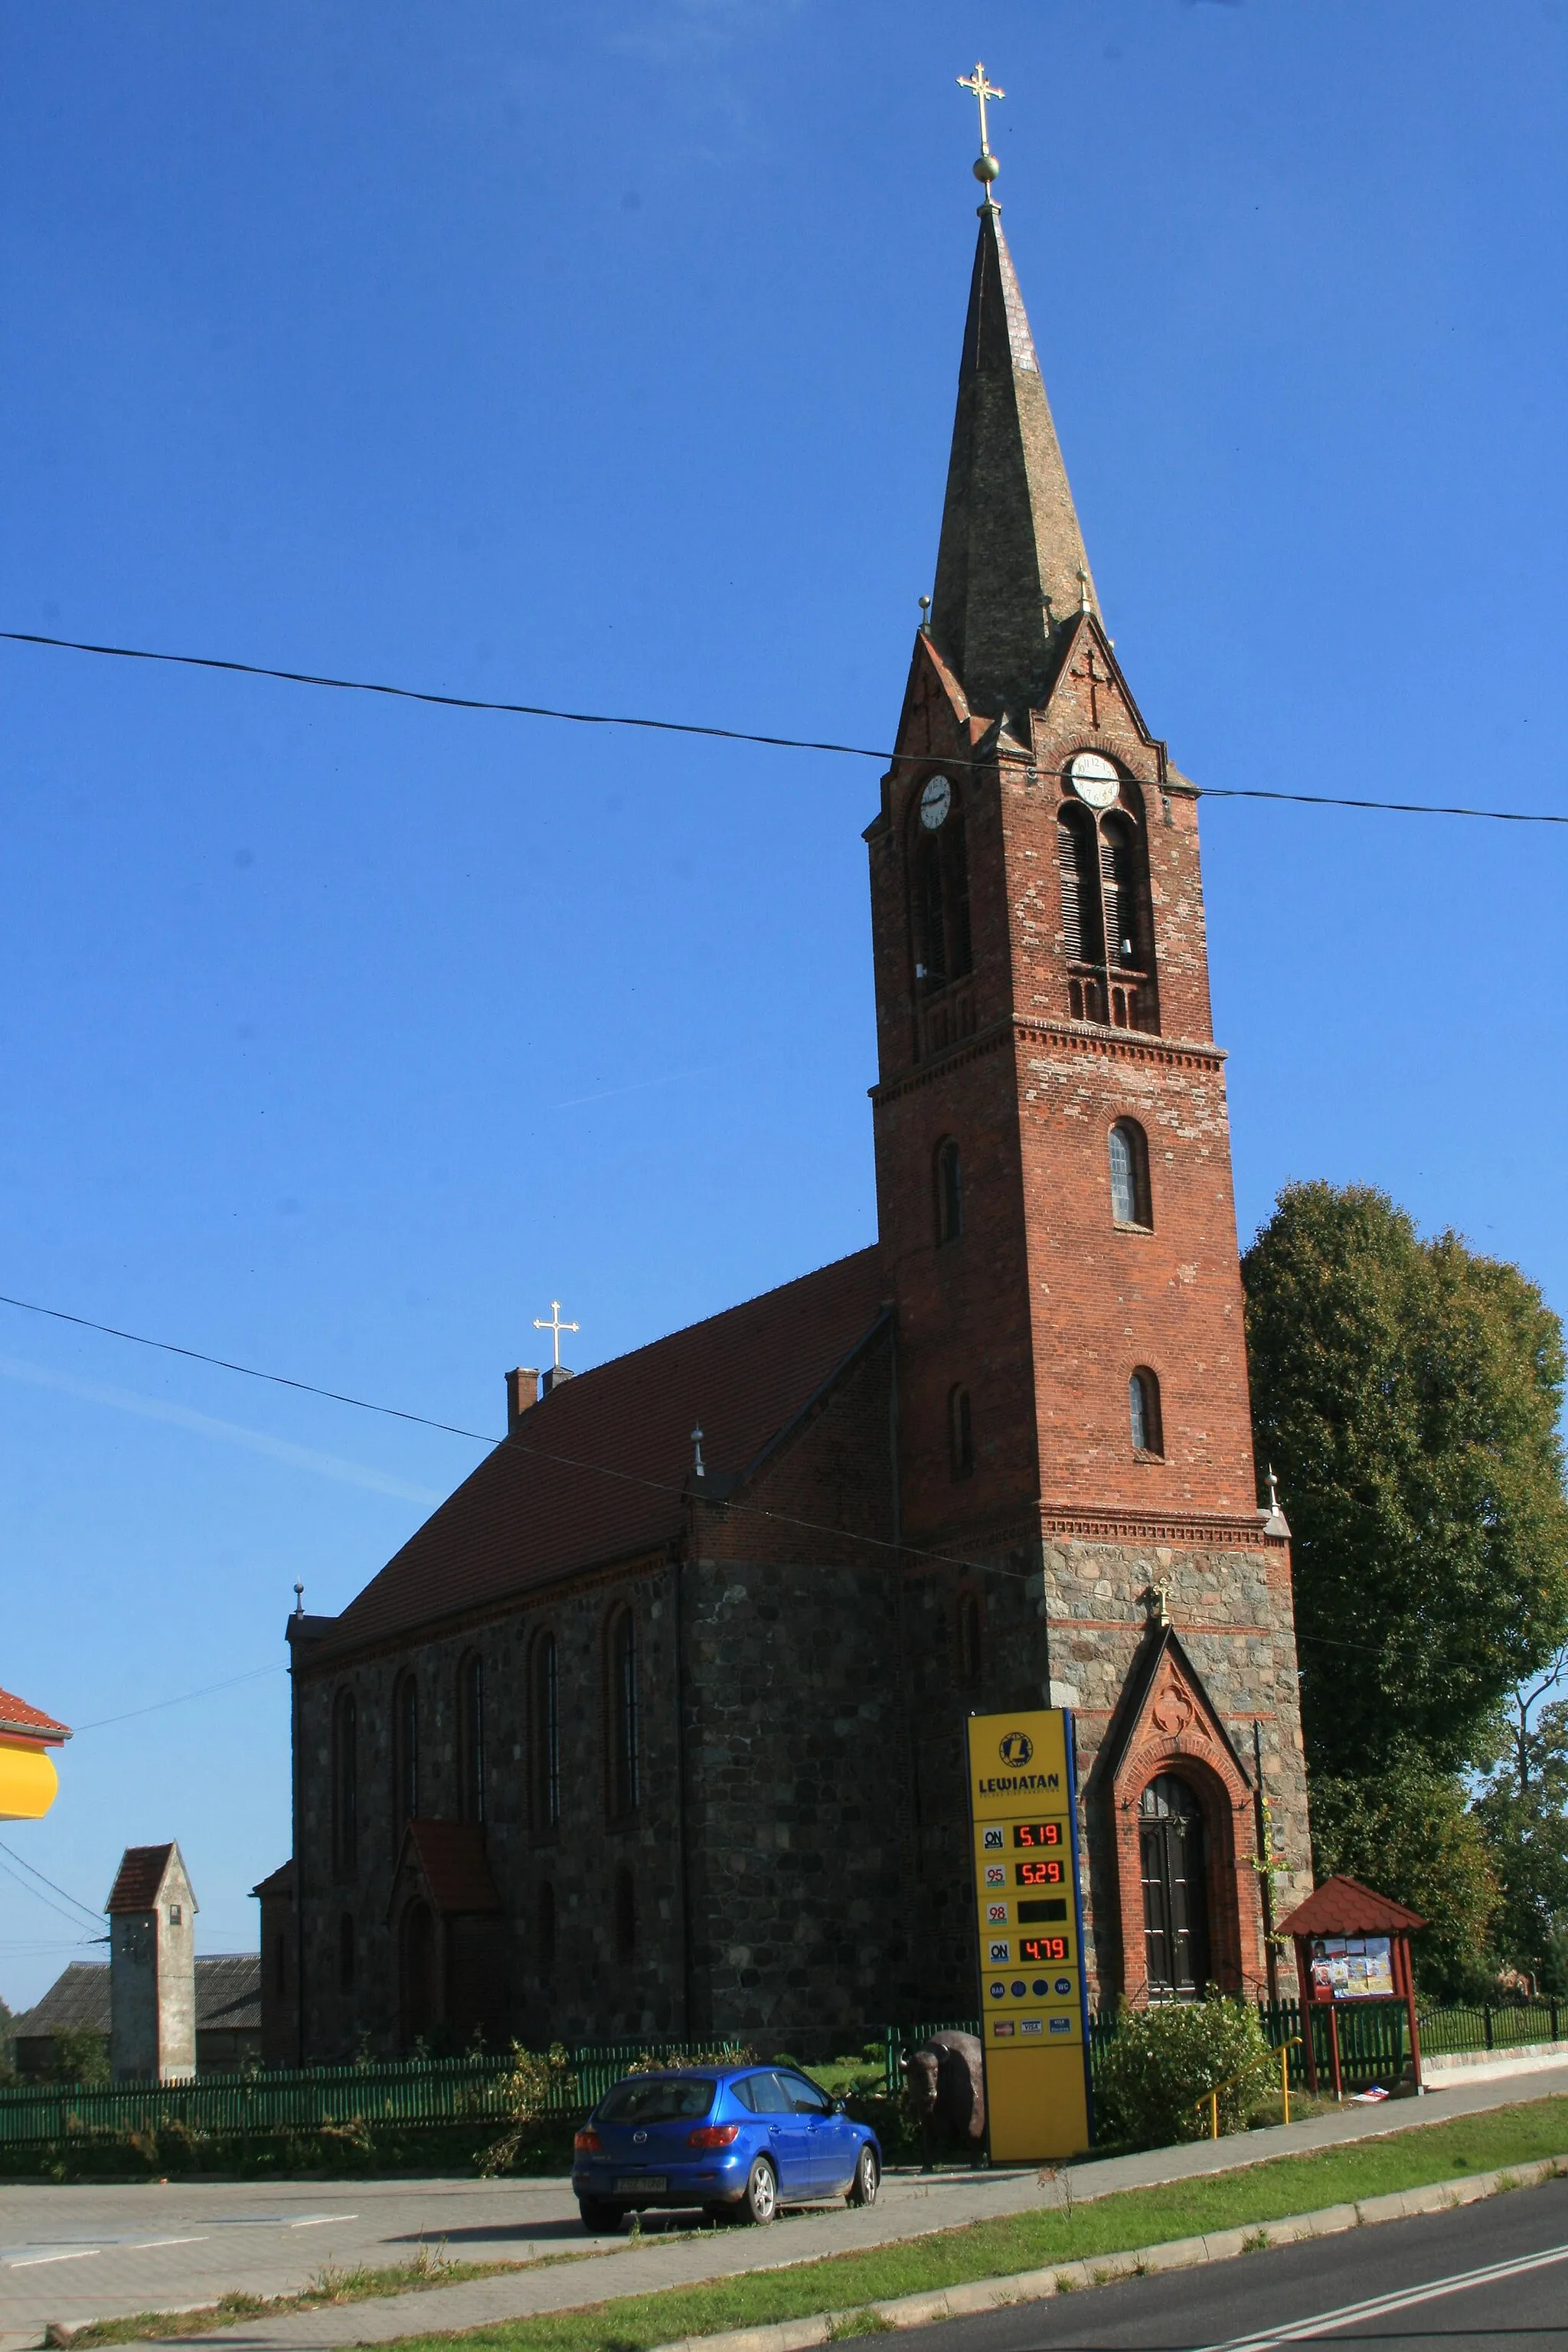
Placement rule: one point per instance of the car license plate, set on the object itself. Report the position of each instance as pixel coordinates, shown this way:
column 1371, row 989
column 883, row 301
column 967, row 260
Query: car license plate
column 654, row 2183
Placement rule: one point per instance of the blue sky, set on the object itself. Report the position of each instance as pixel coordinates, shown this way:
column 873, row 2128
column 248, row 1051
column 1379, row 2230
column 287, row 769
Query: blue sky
column 605, row 355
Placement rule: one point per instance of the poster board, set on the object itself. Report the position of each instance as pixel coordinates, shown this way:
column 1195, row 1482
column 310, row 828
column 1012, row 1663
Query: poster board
column 1352, row 1968
column 1034, row 2003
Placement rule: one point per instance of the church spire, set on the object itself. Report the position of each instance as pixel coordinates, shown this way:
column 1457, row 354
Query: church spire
column 1011, row 569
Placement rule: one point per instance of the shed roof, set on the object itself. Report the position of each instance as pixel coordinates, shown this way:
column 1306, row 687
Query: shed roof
column 229, row 1994
column 599, row 1469
column 20, row 1721
column 1343, row 1906
column 277, row 1882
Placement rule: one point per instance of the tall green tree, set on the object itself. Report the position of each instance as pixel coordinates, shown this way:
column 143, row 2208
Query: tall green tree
column 1408, row 1395
column 1522, row 1812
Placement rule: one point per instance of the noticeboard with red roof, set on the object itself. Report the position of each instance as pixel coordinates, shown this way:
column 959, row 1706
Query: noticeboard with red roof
column 1353, row 1947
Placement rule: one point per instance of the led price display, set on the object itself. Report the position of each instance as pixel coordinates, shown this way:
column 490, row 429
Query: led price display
column 1037, row 1874
column 1037, row 1832
column 1041, row 1911
column 1042, row 1947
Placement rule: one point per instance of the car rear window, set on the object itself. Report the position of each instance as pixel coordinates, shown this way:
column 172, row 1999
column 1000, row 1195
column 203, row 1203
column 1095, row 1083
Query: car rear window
column 658, row 2099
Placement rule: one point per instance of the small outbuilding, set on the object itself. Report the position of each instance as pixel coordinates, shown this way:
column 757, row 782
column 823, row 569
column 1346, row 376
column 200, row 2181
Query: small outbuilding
column 1352, row 1950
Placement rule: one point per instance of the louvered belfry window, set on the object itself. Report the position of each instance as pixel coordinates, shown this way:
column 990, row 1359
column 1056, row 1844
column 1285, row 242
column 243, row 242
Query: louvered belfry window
column 1119, row 873
column 1080, row 886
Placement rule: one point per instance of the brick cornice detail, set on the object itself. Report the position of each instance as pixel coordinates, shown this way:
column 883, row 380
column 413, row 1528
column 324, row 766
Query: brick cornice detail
column 1207, row 1530
column 1074, row 1036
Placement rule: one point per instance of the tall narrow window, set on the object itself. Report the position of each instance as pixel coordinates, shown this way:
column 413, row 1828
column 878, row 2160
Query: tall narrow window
column 626, row 1914
column 1129, row 1174
column 949, row 1192
column 940, row 890
column 971, row 1661
column 546, row 1737
column 1121, row 896
column 624, row 1762
column 345, row 1785
column 1078, row 865
column 404, row 1754
column 960, row 1433
column 472, row 1737
column 1143, row 1413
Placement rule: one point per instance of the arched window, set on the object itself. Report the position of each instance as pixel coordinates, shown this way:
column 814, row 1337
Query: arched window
column 545, row 1923
column 546, row 1737
column 1175, row 1898
column 1143, row 1413
column 626, row 1914
column 1078, row 863
column 345, row 1785
column 472, row 1737
column 1130, row 1202
column 949, row 1191
column 1122, row 896
column 404, row 1753
column 939, row 898
column 347, row 1951
column 960, row 1433
column 624, row 1762
column 970, row 1630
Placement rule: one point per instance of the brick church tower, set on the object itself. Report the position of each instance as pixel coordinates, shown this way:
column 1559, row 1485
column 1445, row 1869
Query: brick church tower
column 1079, row 1494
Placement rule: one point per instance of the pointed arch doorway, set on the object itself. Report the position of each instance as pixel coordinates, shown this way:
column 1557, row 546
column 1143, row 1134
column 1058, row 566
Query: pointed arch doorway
column 1173, row 1868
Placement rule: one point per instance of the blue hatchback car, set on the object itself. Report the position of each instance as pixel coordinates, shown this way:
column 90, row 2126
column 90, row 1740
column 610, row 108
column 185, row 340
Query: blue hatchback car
column 739, row 2141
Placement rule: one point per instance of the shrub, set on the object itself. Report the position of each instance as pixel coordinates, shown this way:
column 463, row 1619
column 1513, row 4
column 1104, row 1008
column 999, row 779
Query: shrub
column 537, row 2085
column 1153, row 2082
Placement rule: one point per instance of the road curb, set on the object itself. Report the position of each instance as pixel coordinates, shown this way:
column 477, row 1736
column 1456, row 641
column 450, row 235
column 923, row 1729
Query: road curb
column 1177, row 2254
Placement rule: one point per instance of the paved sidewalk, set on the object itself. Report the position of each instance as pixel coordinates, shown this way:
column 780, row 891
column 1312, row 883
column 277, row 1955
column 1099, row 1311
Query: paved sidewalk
column 910, row 2206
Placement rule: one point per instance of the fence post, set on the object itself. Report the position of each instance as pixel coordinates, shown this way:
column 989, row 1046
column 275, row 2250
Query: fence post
column 1487, row 2023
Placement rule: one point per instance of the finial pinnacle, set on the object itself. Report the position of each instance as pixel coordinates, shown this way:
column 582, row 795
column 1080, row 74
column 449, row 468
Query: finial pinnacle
column 985, row 164
column 298, row 1600
column 925, row 612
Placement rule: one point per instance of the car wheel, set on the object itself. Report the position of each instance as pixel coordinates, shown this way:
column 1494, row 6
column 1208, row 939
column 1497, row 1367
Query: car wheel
column 599, row 2215
column 760, row 2201
column 868, row 2177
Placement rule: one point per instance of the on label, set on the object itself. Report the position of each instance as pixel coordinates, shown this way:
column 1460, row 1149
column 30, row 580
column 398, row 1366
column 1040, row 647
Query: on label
column 993, row 1838
column 1000, row 1952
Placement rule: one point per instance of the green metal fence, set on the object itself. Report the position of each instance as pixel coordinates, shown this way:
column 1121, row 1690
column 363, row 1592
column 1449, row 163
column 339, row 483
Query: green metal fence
column 410, row 2092
column 1374, row 2037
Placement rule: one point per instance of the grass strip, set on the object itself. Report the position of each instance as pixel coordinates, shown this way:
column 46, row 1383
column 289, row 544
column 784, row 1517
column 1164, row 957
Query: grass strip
column 359, row 2283
column 1117, row 2223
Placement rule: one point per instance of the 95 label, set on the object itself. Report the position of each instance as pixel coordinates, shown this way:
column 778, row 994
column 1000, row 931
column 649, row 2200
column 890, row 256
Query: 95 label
column 996, row 1874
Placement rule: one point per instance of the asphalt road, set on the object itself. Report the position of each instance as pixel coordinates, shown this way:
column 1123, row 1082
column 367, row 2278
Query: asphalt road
column 1489, row 2276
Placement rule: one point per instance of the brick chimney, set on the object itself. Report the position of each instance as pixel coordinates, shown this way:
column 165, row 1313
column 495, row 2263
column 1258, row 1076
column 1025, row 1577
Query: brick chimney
column 522, row 1390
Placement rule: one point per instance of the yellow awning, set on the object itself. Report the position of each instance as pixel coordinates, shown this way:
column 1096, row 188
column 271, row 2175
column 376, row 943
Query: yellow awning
column 28, row 1783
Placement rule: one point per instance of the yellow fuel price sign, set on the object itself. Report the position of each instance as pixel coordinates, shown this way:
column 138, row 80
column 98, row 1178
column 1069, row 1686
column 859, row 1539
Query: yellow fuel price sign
column 1034, row 2005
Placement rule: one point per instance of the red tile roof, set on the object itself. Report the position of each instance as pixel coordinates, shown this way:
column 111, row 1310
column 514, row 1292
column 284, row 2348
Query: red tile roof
column 1343, row 1906
column 597, row 1470
column 20, row 1721
column 452, row 1862
column 140, row 1875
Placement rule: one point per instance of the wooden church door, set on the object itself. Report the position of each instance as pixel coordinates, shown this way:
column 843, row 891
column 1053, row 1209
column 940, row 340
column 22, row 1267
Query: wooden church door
column 1175, row 1904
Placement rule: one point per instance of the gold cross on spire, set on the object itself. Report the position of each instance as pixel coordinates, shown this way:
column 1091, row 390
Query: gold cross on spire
column 554, row 1325
column 982, row 89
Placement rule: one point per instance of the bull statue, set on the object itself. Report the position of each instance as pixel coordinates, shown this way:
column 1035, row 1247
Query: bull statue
column 945, row 2089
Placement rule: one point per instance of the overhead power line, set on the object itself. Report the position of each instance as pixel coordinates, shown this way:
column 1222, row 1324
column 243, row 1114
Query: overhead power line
column 35, row 1872
column 694, row 727
column 541, row 1453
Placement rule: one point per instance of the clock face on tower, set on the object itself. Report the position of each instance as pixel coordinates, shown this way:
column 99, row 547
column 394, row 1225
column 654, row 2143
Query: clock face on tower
column 935, row 802
column 1093, row 779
